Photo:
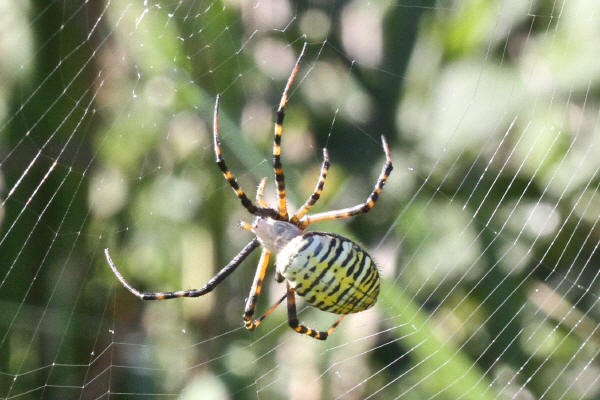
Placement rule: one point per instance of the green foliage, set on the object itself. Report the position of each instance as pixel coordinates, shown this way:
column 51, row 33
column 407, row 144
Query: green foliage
column 489, row 110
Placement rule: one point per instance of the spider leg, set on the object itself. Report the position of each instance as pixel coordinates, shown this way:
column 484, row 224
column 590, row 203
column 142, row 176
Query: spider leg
column 256, row 288
column 300, row 328
column 210, row 285
column 260, row 191
column 246, row 202
column 279, row 278
column 258, row 321
column 255, row 292
column 361, row 208
column 316, row 192
column 277, row 140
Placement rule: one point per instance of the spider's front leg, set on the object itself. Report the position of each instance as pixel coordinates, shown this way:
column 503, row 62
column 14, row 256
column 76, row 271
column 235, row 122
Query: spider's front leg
column 246, row 202
column 279, row 178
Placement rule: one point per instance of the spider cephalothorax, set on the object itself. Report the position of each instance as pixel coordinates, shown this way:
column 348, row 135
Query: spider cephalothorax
column 272, row 234
column 330, row 271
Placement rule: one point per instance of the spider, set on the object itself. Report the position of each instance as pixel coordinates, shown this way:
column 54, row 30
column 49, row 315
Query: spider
column 331, row 272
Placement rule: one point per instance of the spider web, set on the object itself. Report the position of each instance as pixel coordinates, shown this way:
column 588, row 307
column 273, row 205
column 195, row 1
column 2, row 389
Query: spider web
column 486, row 232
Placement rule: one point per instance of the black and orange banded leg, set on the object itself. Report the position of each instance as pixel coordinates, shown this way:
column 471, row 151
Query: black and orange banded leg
column 279, row 178
column 300, row 328
column 316, row 194
column 246, row 202
column 361, row 208
column 255, row 293
column 258, row 321
column 255, row 290
column 210, row 285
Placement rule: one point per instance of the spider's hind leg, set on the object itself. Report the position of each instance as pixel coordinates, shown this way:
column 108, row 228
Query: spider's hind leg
column 303, row 329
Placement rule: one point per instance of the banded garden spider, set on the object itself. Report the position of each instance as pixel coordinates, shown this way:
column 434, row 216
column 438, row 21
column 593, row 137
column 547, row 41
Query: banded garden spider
column 330, row 271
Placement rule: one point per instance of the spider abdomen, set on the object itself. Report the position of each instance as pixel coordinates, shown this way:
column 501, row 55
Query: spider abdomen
column 330, row 271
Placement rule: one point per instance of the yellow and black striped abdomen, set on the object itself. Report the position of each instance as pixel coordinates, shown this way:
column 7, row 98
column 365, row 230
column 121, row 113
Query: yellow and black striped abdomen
column 331, row 272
